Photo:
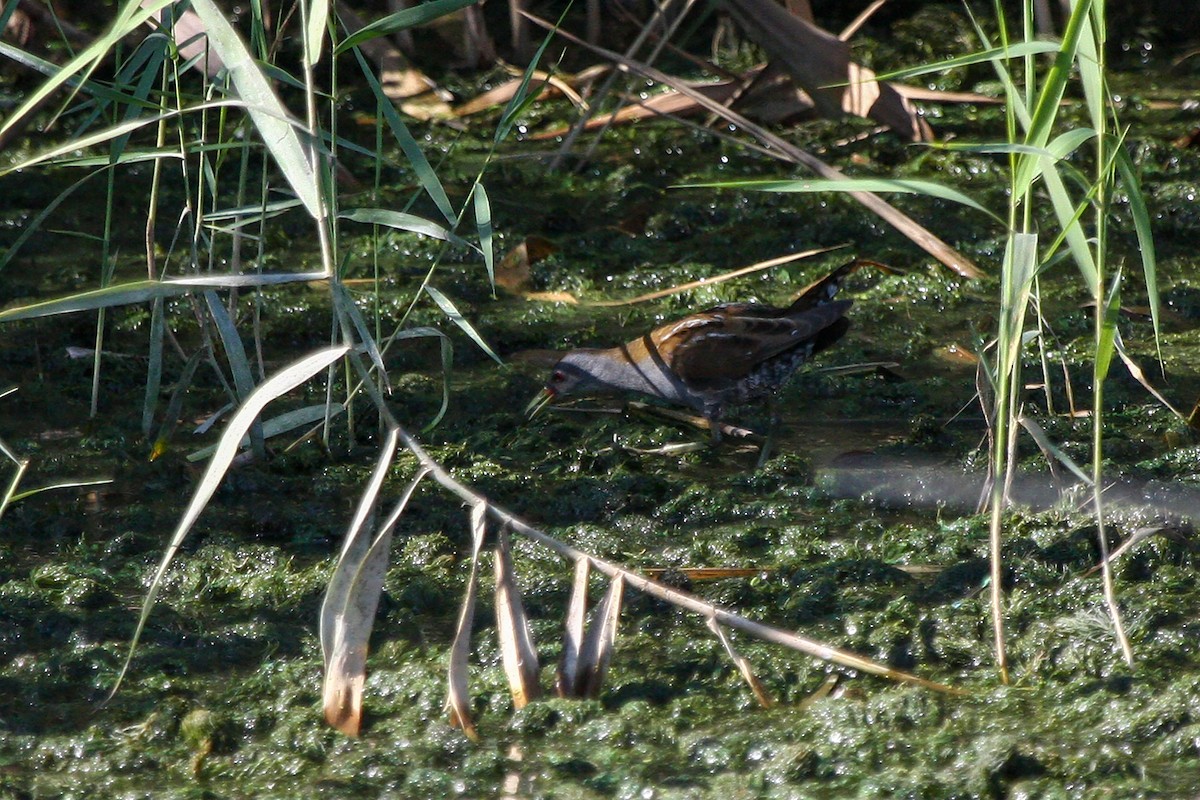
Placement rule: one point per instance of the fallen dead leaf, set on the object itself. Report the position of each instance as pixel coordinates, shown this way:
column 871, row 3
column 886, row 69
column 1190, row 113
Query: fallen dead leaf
column 955, row 353
column 513, row 271
column 552, row 297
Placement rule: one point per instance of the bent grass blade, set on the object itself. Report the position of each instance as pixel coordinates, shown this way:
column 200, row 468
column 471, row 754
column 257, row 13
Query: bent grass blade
column 279, row 384
column 458, row 698
column 517, row 650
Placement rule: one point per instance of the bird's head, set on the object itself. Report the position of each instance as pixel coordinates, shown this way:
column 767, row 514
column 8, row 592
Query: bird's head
column 572, row 375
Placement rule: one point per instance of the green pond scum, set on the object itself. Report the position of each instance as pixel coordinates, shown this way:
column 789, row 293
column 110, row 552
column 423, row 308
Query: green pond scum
column 859, row 532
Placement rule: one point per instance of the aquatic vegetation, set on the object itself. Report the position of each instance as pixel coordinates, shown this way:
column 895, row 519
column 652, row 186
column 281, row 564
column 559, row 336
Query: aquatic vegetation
column 833, row 537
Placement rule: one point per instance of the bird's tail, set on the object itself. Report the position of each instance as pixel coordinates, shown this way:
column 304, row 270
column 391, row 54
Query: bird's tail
column 830, row 334
column 824, row 290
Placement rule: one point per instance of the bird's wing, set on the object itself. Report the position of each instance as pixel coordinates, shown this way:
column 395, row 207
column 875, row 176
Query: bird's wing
column 721, row 346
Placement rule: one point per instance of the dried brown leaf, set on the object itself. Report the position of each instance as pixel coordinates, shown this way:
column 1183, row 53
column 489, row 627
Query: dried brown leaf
column 780, row 148
column 667, row 103
column 399, row 79
column 776, row 102
column 857, row 22
column 760, row 692
column 1189, row 139
column 553, row 297
column 348, row 610
column 601, row 638
column 512, row 626
column 502, row 94
column 425, row 107
column 944, row 96
column 679, row 599
column 737, row 273
column 548, row 85
column 513, row 271
column 458, row 699
column 1141, row 378
column 824, row 690
column 710, row 573
column 567, row 682
column 820, row 64
column 955, row 353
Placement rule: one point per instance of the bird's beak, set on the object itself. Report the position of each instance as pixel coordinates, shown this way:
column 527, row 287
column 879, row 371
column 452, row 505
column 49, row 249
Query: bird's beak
column 544, row 397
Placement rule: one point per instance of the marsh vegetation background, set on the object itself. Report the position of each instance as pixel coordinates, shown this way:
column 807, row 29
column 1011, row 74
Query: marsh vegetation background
column 862, row 531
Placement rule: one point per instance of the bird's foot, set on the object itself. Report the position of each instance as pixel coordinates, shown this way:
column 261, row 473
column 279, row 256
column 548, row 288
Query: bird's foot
column 718, row 429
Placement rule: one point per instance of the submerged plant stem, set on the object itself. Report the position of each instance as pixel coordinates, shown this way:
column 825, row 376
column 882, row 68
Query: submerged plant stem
column 1106, row 576
column 995, row 530
column 1105, row 308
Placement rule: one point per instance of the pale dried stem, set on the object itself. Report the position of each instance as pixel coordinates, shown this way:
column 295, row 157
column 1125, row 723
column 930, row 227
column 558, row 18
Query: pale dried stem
column 786, row 151
column 659, row 591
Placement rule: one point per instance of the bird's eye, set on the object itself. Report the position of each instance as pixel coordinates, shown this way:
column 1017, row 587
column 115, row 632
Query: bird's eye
column 558, row 376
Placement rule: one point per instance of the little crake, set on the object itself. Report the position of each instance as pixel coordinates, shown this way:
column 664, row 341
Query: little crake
column 726, row 355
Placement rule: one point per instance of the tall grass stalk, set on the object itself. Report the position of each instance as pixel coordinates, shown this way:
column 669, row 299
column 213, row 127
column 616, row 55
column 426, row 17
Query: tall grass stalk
column 1083, row 227
column 1040, row 147
column 153, row 111
column 1038, row 160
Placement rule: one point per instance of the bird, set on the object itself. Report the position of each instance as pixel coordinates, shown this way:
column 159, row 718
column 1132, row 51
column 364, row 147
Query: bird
column 727, row 355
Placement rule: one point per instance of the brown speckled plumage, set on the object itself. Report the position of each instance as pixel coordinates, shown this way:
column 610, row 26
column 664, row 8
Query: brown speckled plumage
column 726, row 355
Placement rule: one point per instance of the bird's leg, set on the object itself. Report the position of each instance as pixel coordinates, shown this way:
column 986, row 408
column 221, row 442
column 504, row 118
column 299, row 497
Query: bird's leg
column 714, row 427
column 772, row 430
